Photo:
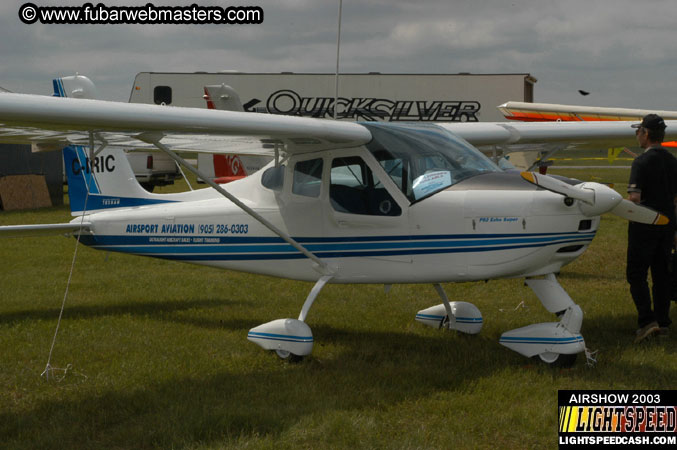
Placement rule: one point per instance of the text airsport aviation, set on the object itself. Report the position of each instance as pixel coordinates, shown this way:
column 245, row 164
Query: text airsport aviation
column 340, row 203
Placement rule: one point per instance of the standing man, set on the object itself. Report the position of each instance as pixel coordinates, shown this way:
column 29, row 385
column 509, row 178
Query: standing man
column 653, row 183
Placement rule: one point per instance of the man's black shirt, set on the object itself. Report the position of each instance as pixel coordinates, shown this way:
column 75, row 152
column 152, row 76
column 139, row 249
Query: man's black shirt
column 654, row 174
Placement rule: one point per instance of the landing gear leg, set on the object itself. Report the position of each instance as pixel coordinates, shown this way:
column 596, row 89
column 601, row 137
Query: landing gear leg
column 312, row 296
column 449, row 319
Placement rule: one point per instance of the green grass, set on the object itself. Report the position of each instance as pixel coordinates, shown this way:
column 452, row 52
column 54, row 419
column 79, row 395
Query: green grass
column 599, row 158
column 159, row 356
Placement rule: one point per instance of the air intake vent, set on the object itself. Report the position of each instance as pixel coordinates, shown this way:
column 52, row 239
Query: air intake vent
column 584, row 225
column 570, row 249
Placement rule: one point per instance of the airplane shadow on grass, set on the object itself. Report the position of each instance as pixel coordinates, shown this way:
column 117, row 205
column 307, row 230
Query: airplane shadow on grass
column 360, row 372
column 137, row 308
column 373, row 370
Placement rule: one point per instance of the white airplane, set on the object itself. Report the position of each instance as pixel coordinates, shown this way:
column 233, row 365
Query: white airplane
column 341, row 202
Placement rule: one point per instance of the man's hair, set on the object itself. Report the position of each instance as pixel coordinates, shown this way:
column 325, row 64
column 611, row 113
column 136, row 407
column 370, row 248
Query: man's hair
column 655, row 135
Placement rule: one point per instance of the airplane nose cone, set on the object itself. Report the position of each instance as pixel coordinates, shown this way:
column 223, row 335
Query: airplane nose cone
column 605, row 199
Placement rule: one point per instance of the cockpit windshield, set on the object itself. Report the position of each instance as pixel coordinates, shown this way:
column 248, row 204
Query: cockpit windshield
column 423, row 159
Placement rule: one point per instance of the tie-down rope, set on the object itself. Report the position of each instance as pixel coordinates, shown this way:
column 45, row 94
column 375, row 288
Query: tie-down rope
column 49, row 370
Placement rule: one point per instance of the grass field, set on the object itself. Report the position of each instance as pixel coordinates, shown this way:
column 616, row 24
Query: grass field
column 158, row 356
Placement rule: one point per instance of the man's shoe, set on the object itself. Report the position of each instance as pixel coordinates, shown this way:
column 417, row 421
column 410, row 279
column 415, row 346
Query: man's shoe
column 663, row 332
column 646, row 331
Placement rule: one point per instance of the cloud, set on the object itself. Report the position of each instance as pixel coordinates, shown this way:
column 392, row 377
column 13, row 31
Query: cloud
column 621, row 52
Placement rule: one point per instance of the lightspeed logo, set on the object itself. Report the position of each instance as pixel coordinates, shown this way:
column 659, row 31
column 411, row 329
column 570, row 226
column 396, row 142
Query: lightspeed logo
column 641, row 419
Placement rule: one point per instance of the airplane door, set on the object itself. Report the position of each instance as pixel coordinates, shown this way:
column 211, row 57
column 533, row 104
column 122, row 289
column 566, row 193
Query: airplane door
column 358, row 199
column 362, row 215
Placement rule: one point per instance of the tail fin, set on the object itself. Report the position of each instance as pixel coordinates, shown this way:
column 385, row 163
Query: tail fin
column 104, row 182
column 223, row 97
column 75, row 86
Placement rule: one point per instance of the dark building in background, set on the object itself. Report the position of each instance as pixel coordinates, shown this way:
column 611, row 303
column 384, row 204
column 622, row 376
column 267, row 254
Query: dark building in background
column 19, row 160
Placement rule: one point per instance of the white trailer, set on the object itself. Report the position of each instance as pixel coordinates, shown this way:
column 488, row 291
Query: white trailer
column 363, row 97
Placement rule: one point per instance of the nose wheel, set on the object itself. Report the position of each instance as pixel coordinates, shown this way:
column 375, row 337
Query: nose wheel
column 555, row 343
column 289, row 356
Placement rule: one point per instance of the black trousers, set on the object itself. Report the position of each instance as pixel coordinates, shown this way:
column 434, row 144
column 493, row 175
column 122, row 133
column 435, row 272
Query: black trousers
column 649, row 248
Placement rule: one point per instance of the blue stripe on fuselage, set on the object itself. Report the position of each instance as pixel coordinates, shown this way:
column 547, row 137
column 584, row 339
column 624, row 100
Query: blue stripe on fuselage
column 185, row 248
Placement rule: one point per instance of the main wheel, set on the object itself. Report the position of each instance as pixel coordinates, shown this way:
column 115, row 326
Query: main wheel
column 558, row 359
column 289, row 356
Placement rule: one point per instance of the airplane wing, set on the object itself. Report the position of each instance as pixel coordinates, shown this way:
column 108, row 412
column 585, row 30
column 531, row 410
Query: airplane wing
column 549, row 112
column 540, row 136
column 54, row 122
column 552, row 112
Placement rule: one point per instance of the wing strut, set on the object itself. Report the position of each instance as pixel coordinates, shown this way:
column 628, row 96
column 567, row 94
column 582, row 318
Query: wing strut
column 92, row 152
column 544, row 159
column 322, row 266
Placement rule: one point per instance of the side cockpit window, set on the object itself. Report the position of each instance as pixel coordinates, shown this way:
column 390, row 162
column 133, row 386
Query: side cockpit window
column 308, row 178
column 354, row 189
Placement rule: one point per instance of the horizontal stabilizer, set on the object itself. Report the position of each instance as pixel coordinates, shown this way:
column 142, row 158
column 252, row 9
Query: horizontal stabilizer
column 49, row 229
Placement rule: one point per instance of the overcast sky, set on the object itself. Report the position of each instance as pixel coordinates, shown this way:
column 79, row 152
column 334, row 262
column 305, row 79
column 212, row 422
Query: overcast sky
column 622, row 51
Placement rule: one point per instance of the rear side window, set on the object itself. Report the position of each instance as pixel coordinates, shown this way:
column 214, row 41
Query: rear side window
column 273, row 178
column 308, row 178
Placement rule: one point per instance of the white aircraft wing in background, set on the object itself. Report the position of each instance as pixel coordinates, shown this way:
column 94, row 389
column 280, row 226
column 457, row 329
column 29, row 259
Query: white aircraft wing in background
column 552, row 112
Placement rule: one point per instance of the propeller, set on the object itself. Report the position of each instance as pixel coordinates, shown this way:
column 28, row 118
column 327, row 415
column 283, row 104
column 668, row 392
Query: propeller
column 598, row 199
column 637, row 213
column 560, row 187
